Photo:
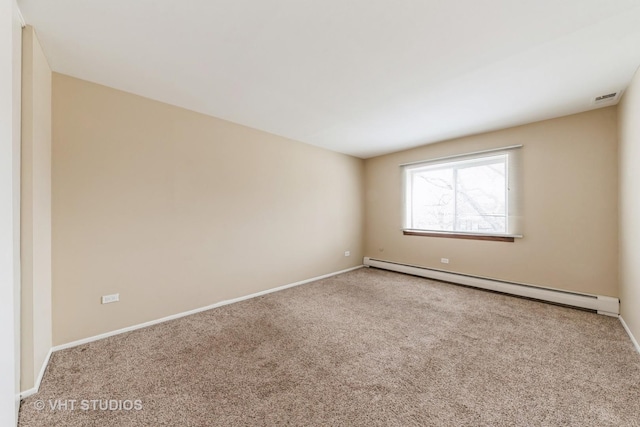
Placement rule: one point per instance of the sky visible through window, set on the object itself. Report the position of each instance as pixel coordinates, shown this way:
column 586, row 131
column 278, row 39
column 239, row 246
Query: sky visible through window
column 467, row 196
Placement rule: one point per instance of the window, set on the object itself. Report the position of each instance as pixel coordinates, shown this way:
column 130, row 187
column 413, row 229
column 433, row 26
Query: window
column 469, row 195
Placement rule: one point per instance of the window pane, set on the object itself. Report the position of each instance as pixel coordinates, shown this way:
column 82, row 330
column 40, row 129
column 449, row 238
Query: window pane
column 481, row 198
column 433, row 200
column 466, row 195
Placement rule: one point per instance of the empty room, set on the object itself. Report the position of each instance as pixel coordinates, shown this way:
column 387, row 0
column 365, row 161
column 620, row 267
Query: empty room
column 337, row 213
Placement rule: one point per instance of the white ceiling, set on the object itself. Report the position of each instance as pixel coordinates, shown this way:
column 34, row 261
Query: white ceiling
column 362, row 77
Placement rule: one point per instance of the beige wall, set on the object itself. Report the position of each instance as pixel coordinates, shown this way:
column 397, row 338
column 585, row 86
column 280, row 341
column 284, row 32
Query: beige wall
column 175, row 210
column 569, row 180
column 35, row 209
column 629, row 112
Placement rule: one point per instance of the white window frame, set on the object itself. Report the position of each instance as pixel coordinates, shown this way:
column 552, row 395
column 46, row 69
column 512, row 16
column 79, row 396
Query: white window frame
column 512, row 192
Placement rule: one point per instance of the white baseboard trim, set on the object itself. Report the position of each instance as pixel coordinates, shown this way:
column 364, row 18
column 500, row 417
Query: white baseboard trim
column 36, row 386
column 633, row 339
column 197, row 310
column 602, row 304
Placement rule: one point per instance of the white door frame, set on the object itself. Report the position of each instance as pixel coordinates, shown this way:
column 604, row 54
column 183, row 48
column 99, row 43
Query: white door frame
column 10, row 88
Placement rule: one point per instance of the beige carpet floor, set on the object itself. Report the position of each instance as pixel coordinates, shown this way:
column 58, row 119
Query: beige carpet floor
column 365, row 348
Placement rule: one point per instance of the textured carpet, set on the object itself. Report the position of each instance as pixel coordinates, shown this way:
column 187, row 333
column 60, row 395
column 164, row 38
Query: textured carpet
column 364, row 348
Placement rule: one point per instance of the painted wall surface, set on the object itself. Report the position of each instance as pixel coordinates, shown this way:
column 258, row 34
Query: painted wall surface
column 569, row 202
column 35, row 216
column 629, row 112
column 176, row 210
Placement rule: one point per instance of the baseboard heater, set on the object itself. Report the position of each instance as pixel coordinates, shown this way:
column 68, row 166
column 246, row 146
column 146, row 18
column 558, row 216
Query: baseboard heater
column 603, row 305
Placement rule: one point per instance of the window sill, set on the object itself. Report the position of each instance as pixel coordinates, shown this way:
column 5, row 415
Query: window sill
column 457, row 235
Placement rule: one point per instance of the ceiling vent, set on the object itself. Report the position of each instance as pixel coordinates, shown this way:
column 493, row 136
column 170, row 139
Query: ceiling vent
column 609, row 98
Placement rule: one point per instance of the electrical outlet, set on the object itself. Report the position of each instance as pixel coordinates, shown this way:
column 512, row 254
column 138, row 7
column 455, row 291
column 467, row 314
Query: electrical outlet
column 444, row 260
column 106, row 299
column 347, row 253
